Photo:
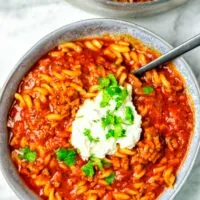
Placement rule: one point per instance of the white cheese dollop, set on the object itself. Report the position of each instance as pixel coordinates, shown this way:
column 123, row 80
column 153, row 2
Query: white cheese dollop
column 89, row 116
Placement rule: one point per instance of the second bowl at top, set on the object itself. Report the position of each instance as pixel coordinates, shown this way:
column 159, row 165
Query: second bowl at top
column 123, row 9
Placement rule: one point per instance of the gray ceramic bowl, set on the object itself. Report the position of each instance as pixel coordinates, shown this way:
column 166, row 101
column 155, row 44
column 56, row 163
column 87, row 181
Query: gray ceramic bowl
column 71, row 32
column 110, row 8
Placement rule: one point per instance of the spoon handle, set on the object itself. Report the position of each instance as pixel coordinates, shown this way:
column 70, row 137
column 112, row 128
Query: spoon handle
column 174, row 53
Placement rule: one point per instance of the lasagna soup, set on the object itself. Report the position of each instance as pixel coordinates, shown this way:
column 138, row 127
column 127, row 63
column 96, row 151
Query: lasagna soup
column 83, row 127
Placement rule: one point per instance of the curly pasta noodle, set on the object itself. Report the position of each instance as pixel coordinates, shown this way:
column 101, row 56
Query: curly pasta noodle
column 49, row 97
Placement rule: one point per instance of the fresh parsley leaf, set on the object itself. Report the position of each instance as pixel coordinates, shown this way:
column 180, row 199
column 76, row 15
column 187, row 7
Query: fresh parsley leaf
column 113, row 80
column 129, row 115
column 119, row 131
column 88, row 169
column 124, row 94
column 118, row 120
column 113, row 90
column 97, row 162
column 105, row 99
column 109, row 119
column 110, row 179
column 121, row 98
column 110, row 134
column 87, row 133
column 66, row 155
column 27, row 154
column 147, row 89
column 119, row 103
column 104, row 82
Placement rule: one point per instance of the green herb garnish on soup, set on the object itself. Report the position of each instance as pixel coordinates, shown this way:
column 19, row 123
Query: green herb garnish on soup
column 68, row 156
column 88, row 134
column 147, row 89
column 27, row 154
column 110, row 179
column 104, row 82
column 129, row 115
column 97, row 162
column 88, row 169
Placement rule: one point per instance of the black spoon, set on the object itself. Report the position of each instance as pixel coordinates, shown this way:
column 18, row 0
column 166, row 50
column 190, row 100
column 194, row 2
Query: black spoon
column 174, row 53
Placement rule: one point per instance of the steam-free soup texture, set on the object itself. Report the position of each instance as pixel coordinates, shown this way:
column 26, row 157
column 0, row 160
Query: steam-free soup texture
column 63, row 84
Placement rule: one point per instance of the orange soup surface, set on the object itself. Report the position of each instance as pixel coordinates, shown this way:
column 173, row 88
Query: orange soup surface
column 49, row 97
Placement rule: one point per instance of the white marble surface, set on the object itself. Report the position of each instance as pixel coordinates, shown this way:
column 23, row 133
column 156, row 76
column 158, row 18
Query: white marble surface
column 24, row 22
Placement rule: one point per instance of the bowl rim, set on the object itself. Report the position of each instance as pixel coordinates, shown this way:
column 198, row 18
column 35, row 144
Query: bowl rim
column 47, row 38
column 108, row 8
column 133, row 4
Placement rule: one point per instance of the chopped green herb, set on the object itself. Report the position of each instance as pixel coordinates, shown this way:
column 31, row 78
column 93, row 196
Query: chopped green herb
column 119, row 103
column 118, row 120
column 110, row 179
column 121, row 98
column 119, row 131
column 113, row 80
column 87, row 133
column 100, row 163
column 81, row 116
column 105, row 99
column 114, row 90
column 109, row 119
column 148, row 89
column 124, row 94
column 110, row 134
column 97, row 162
column 104, row 82
column 96, row 120
column 106, row 163
column 129, row 115
column 27, row 154
column 66, row 155
column 88, row 169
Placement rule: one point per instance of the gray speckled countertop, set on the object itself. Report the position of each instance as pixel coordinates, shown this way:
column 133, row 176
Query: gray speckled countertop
column 23, row 23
